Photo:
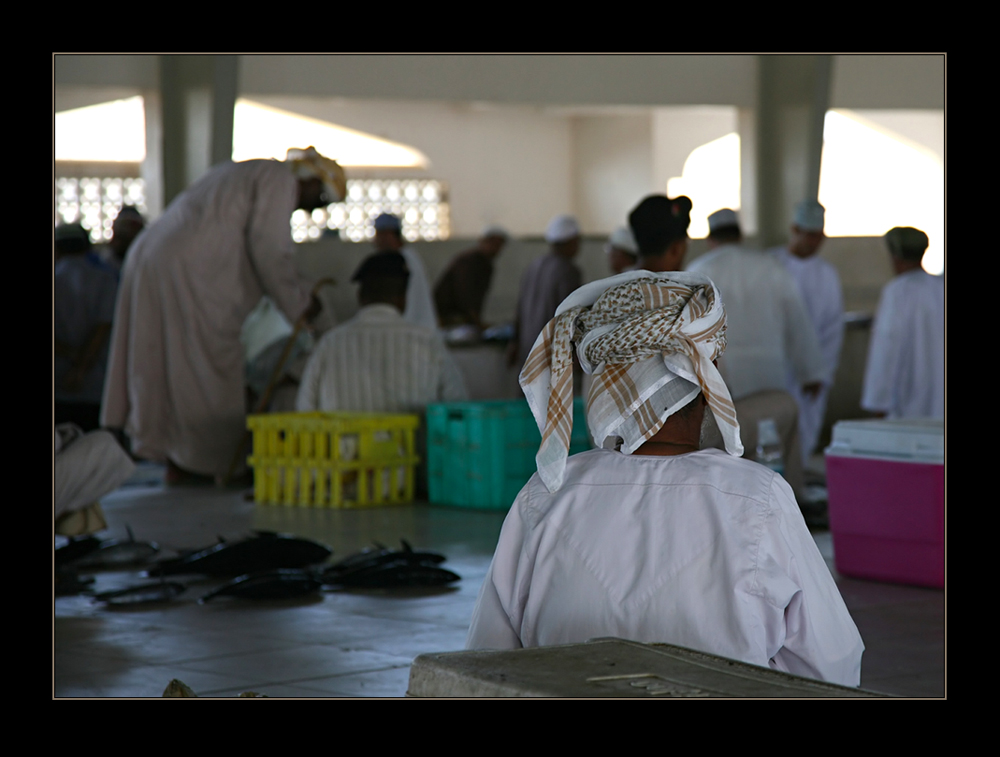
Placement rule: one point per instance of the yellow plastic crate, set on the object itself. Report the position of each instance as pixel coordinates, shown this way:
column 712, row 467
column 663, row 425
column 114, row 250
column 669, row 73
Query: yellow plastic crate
column 333, row 459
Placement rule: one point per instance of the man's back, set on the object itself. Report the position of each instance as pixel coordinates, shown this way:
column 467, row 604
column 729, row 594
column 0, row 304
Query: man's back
column 904, row 376
column 379, row 362
column 701, row 550
column 462, row 288
column 546, row 282
column 822, row 295
column 84, row 299
column 768, row 326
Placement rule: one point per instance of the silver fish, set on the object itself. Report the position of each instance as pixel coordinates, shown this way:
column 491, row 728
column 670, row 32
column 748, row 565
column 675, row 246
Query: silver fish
column 146, row 593
column 271, row 584
column 264, row 551
column 116, row 553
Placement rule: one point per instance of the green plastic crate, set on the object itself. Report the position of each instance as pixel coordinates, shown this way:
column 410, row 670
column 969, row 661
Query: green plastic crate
column 480, row 454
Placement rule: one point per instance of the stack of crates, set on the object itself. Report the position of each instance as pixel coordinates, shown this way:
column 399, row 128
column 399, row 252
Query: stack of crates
column 333, row 459
column 480, row 454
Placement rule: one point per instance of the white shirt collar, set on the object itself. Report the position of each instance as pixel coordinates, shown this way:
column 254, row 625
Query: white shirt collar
column 378, row 312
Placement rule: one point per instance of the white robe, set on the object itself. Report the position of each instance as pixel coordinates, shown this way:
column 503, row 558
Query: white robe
column 419, row 303
column 175, row 377
column 768, row 331
column 904, row 376
column 87, row 466
column 822, row 294
column 703, row 550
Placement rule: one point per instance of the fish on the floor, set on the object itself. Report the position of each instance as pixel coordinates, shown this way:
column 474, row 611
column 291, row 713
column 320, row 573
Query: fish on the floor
column 272, row 584
column 68, row 583
column 75, row 549
column 264, row 551
column 116, row 553
column 386, row 568
column 393, row 575
column 142, row 594
column 370, row 558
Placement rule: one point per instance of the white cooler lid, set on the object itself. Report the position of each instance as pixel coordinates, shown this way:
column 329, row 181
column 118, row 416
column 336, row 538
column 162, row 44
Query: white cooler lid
column 917, row 440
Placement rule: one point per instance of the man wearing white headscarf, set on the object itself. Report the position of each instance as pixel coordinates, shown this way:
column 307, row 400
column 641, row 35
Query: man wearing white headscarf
column 651, row 538
column 176, row 372
column 622, row 250
column 544, row 284
column 822, row 295
column 419, row 303
column 770, row 336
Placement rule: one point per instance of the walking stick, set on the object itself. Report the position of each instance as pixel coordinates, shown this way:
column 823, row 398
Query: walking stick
column 272, row 384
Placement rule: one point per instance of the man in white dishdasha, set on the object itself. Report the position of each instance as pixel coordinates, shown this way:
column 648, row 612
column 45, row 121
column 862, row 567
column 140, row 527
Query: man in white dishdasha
column 652, row 538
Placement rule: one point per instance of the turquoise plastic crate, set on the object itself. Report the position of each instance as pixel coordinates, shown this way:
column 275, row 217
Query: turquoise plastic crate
column 480, row 454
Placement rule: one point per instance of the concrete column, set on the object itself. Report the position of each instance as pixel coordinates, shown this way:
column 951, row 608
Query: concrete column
column 746, row 127
column 792, row 99
column 152, row 166
column 198, row 95
column 224, row 90
column 173, row 128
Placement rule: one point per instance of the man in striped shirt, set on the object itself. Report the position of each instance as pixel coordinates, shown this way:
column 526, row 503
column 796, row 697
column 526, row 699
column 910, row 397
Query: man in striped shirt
column 377, row 361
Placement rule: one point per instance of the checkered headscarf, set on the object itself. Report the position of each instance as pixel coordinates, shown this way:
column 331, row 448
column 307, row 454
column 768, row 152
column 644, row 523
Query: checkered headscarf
column 309, row 164
column 649, row 339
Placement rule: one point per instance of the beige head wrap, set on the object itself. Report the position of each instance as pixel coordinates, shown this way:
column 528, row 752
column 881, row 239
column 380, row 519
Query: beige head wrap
column 309, row 164
column 649, row 339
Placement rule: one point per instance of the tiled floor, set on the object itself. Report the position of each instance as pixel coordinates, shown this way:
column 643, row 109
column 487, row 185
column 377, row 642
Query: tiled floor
column 361, row 644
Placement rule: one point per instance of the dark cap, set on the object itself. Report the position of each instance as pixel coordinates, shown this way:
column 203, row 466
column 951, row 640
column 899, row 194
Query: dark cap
column 906, row 242
column 129, row 211
column 382, row 265
column 657, row 221
column 72, row 232
column 388, row 222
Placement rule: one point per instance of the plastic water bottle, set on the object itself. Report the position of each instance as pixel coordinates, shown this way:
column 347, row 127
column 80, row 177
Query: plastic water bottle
column 769, row 446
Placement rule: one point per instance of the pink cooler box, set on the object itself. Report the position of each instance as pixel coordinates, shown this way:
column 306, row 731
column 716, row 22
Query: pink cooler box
column 885, row 481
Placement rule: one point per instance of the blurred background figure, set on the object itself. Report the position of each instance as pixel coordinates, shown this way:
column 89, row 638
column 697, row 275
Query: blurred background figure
column 419, row 304
column 265, row 336
column 86, row 467
column 819, row 286
column 769, row 333
column 904, row 376
column 546, row 282
column 378, row 362
column 623, row 252
column 85, row 290
column 124, row 229
column 461, row 289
